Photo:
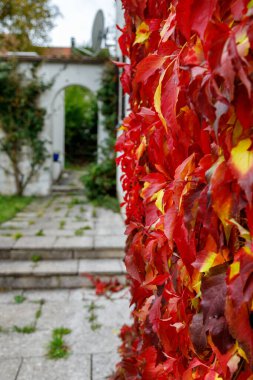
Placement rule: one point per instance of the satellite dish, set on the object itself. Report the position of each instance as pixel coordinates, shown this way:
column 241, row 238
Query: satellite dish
column 98, row 31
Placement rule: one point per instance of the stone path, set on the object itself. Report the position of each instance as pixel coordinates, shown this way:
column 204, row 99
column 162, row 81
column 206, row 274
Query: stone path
column 54, row 241
column 94, row 324
column 63, row 227
column 49, row 245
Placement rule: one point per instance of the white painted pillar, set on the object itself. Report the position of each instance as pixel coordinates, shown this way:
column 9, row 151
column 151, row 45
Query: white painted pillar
column 102, row 135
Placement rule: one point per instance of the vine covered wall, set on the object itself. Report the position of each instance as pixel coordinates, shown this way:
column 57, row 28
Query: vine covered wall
column 187, row 158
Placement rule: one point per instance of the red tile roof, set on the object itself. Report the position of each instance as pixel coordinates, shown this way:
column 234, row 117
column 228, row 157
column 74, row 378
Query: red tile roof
column 57, row 52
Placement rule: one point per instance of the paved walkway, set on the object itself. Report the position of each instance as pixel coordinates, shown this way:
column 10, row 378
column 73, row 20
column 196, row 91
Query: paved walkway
column 48, row 246
column 94, row 323
column 61, row 222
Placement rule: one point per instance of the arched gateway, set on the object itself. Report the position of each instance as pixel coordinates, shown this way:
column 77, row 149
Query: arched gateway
column 64, row 72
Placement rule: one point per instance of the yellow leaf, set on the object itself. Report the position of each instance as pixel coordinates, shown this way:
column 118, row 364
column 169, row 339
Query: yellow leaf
column 196, row 281
column 248, row 250
column 141, row 148
column 243, row 232
column 146, row 185
column 157, row 101
column 142, row 33
column 241, row 158
column 159, row 201
column 208, row 263
column 243, row 44
column 242, row 353
column 234, row 270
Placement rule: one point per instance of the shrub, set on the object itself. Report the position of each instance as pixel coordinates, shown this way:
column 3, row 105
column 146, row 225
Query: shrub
column 21, row 123
column 80, row 125
column 100, row 179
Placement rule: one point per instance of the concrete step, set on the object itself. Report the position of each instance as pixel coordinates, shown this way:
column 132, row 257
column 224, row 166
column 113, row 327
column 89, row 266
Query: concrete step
column 62, row 248
column 58, row 274
column 68, row 190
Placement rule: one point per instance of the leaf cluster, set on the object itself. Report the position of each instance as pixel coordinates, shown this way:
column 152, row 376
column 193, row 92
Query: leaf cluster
column 187, row 155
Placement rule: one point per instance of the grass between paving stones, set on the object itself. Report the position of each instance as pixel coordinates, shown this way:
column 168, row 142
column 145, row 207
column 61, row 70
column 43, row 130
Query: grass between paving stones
column 81, row 231
column 17, row 235
column 92, row 316
column 3, row 330
column 57, row 348
column 76, row 201
column 11, row 205
column 107, row 202
column 19, row 298
column 31, row 328
column 36, row 258
column 50, row 201
column 62, row 224
column 80, row 219
column 40, row 233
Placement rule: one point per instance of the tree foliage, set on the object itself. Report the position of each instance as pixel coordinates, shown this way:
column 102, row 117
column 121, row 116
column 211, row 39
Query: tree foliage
column 187, row 157
column 21, row 123
column 25, row 23
column 80, row 125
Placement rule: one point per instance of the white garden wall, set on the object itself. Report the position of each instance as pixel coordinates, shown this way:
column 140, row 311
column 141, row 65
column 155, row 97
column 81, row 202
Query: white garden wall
column 83, row 72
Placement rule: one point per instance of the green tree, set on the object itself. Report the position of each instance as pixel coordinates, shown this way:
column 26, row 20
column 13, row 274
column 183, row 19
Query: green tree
column 80, row 125
column 24, row 23
column 21, row 123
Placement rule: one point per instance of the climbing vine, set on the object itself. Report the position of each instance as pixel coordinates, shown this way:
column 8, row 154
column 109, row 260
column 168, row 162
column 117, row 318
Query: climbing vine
column 21, row 123
column 187, row 157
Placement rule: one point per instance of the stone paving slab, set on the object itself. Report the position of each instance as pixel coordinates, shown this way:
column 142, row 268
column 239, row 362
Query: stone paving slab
column 57, row 274
column 99, row 341
column 35, row 242
column 13, row 224
column 41, row 268
column 120, row 311
column 8, row 296
column 58, row 267
column 10, row 368
column 110, row 242
column 93, row 353
column 62, row 228
column 67, row 314
column 50, row 254
column 107, row 229
column 7, row 242
column 76, row 367
column 60, row 295
column 85, row 242
column 17, row 315
column 105, row 266
column 15, row 345
column 103, row 365
column 16, row 268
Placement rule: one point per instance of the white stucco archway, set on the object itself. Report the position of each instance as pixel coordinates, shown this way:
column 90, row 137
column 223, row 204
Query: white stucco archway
column 84, row 72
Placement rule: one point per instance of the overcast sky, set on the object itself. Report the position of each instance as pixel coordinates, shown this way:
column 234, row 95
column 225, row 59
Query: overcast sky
column 77, row 18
